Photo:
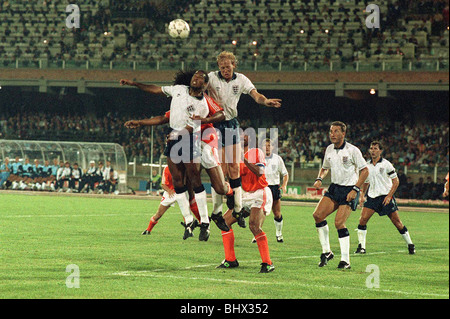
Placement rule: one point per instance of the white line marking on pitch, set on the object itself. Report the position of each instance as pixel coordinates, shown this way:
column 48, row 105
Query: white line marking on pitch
column 145, row 273
column 154, row 273
column 72, row 215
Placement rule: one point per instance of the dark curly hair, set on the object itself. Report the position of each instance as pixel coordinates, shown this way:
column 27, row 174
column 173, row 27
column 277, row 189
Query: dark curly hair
column 183, row 77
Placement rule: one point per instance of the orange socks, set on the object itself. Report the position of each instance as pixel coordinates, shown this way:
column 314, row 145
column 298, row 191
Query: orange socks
column 263, row 247
column 152, row 224
column 228, row 245
column 194, row 209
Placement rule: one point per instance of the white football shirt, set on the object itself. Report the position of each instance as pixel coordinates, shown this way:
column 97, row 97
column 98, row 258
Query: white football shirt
column 227, row 94
column 184, row 106
column 344, row 163
column 380, row 177
column 274, row 167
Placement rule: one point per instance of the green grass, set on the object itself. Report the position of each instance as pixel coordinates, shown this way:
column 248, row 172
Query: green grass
column 41, row 235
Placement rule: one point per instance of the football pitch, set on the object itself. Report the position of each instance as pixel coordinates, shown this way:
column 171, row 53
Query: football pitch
column 100, row 240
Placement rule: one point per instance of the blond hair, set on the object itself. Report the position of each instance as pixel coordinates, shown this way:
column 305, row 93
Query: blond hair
column 226, row 55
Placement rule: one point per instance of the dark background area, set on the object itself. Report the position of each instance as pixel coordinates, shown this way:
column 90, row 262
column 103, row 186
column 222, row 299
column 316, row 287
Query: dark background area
column 408, row 107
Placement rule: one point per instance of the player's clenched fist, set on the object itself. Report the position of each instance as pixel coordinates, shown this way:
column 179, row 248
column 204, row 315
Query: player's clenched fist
column 317, row 184
column 132, row 124
column 126, row 82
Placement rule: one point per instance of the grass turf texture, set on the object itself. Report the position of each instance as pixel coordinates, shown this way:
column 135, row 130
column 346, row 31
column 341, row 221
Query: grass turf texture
column 41, row 235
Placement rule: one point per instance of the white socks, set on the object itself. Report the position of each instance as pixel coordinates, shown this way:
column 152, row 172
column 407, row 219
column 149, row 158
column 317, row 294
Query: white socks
column 323, row 231
column 183, row 203
column 344, row 242
column 217, row 202
column 405, row 234
column 362, row 232
column 278, row 226
column 200, row 198
column 237, row 199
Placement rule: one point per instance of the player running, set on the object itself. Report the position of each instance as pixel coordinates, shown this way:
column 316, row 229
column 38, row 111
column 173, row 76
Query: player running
column 382, row 184
column 226, row 86
column 348, row 173
column 257, row 200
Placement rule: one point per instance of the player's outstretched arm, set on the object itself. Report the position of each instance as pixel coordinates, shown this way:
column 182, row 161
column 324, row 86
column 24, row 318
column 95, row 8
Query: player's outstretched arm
column 217, row 117
column 149, row 88
column 262, row 100
column 156, row 120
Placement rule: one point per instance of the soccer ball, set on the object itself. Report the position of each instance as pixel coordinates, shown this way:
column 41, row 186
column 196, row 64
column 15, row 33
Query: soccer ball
column 179, row 28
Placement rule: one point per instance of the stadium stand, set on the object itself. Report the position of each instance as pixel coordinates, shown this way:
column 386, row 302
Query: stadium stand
column 318, row 34
column 302, row 142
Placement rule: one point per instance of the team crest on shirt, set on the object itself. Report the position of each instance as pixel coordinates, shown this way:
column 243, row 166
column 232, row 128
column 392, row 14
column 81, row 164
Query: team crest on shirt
column 345, row 159
column 381, row 170
column 235, row 89
column 190, row 108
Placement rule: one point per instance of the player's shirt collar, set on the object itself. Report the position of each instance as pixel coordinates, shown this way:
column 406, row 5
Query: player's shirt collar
column 341, row 147
column 232, row 78
column 379, row 161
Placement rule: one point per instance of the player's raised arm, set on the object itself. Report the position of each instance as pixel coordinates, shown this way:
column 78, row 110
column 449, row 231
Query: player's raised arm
column 156, row 120
column 262, row 100
column 149, row 88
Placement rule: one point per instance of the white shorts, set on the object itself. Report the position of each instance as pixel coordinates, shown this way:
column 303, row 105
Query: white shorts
column 167, row 201
column 210, row 156
column 262, row 198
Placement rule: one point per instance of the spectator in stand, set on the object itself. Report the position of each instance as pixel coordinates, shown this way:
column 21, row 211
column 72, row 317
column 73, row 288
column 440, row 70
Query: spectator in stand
column 5, row 172
column 419, row 189
column 154, row 182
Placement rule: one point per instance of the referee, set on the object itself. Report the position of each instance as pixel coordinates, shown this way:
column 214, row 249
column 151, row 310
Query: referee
column 348, row 173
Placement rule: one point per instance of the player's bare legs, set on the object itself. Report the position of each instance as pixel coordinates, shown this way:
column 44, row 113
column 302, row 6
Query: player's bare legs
column 155, row 218
column 395, row 218
column 256, row 220
column 324, row 208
